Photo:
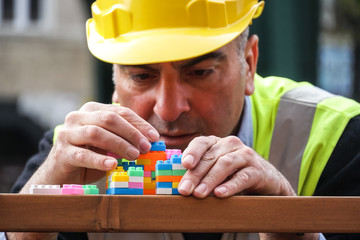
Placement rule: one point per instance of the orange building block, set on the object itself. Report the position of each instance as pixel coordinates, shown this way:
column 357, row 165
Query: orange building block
column 149, row 192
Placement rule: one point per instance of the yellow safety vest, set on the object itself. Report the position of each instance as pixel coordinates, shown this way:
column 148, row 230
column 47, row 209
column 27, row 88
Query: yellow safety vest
column 297, row 126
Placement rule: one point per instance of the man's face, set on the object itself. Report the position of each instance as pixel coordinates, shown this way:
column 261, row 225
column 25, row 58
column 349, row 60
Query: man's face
column 189, row 98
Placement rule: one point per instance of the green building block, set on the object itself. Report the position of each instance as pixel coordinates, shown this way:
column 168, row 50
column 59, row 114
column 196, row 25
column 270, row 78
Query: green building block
column 135, row 172
column 163, row 173
column 90, row 189
column 178, row 172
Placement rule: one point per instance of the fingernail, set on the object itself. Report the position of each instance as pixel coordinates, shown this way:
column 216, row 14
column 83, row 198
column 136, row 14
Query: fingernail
column 132, row 153
column 110, row 163
column 153, row 135
column 201, row 189
column 189, row 160
column 222, row 190
column 185, row 186
column 144, row 146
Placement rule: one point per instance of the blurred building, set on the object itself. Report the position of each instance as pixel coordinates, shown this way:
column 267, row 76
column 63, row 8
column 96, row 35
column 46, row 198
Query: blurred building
column 45, row 72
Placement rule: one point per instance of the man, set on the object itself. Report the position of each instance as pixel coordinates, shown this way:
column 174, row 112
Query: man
column 189, row 78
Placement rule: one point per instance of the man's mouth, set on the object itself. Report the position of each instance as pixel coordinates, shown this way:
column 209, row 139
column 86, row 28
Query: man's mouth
column 179, row 140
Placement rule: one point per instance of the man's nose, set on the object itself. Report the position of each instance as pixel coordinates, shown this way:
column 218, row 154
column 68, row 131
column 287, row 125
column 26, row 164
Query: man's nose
column 171, row 98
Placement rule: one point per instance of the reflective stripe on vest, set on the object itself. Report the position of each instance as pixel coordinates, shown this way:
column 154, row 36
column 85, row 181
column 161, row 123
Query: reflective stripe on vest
column 292, row 130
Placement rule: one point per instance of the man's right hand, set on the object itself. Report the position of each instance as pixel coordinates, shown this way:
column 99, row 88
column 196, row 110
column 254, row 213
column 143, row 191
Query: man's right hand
column 79, row 154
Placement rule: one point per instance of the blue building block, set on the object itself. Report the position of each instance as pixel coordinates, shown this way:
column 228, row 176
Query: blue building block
column 176, row 159
column 164, row 185
column 158, row 146
column 126, row 165
column 175, row 191
column 163, row 165
column 125, row 191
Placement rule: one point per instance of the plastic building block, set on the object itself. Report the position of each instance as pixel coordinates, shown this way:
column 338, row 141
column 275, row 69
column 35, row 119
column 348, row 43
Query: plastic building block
column 143, row 161
column 163, row 165
column 125, row 191
column 147, row 179
column 165, row 179
column 170, row 152
column 151, row 185
column 127, row 165
column 178, row 172
column 90, row 189
column 136, row 185
column 175, row 184
column 147, row 174
column 167, row 191
column 175, row 191
column 149, row 191
column 176, row 158
column 149, row 168
column 138, row 171
column 153, row 156
column 136, row 179
column 163, row 173
column 164, row 185
column 119, row 185
column 45, row 189
column 120, row 177
column 158, row 146
column 72, row 189
column 176, row 178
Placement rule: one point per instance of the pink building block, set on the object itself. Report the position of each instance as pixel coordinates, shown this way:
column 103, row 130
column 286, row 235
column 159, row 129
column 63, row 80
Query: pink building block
column 170, row 152
column 147, row 173
column 136, row 185
column 72, row 189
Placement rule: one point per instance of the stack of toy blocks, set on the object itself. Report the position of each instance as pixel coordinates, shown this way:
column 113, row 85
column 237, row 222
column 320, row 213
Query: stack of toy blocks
column 154, row 180
column 67, row 189
column 168, row 175
column 130, row 182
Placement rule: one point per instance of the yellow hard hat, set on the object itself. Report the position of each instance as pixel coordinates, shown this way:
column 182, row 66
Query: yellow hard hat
column 152, row 31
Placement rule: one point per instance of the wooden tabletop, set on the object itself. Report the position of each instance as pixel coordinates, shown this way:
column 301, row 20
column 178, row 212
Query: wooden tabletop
column 115, row 213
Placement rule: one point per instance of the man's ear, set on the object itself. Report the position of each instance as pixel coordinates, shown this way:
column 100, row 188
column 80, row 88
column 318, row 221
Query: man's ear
column 251, row 53
column 115, row 97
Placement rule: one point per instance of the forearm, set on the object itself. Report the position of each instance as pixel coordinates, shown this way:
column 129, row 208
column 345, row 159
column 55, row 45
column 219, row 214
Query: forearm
column 31, row 236
column 289, row 236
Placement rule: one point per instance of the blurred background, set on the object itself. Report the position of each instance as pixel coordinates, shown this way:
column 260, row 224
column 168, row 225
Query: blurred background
column 47, row 71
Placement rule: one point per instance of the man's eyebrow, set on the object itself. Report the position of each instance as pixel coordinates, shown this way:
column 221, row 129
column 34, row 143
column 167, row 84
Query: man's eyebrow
column 144, row 66
column 196, row 60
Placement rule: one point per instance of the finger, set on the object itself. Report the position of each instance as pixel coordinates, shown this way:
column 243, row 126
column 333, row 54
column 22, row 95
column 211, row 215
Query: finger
column 98, row 137
column 242, row 180
column 85, row 158
column 113, row 123
column 196, row 150
column 225, row 166
column 139, row 123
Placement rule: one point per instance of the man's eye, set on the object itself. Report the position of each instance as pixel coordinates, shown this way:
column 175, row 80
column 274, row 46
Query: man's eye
column 201, row 73
column 140, row 77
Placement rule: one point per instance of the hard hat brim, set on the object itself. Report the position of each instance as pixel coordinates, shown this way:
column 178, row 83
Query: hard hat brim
column 163, row 45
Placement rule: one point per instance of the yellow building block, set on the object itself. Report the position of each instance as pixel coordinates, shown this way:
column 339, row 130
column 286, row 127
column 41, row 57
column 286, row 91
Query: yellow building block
column 151, row 185
column 175, row 184
column 120, row 177
column 143, row 161
column 147, row 179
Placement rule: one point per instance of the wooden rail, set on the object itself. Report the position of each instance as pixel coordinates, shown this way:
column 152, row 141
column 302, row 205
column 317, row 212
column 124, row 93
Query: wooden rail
column 111, row 213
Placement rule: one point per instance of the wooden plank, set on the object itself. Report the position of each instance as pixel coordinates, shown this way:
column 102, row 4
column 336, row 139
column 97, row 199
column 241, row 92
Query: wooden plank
column 110, row 213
